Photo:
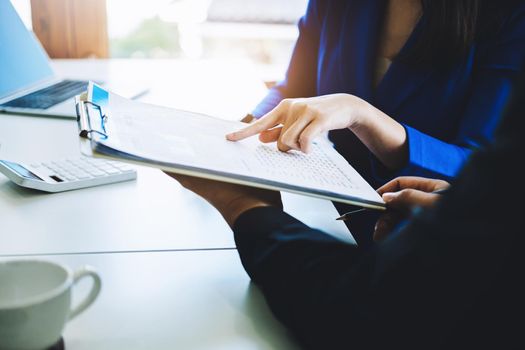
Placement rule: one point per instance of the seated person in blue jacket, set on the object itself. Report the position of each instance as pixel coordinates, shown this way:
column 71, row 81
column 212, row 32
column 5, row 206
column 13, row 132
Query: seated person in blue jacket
column 407, row 87
column 449, row 278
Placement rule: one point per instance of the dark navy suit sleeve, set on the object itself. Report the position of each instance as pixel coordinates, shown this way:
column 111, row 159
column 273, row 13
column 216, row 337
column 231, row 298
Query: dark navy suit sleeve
column 449, row 279
column 415, row 290
column 301, row 76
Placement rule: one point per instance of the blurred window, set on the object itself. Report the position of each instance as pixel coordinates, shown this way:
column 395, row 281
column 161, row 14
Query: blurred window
column 23, row 7
column 261, row 31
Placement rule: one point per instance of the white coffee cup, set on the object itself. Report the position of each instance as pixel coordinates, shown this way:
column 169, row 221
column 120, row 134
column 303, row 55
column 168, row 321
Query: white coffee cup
column 35, row 302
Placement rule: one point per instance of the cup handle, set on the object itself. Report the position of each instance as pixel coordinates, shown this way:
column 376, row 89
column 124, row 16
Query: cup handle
column 86, row 271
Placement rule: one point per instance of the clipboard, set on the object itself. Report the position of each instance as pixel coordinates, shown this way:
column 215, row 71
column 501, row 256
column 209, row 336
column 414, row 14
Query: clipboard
column 188, row 143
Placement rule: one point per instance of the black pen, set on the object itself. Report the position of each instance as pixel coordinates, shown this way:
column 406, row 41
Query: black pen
column 347, row 215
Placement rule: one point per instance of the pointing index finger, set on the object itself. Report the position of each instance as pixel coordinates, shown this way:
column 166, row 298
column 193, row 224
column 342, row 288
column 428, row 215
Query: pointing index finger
column 266, row 122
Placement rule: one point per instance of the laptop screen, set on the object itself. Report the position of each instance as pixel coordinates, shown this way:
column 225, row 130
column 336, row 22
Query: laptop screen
column 23, row 62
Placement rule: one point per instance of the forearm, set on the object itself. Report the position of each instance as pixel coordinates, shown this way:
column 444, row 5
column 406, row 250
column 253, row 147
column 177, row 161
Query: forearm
column 403, row 150
column 236, row 207
column 382, row 135
column 229, row 199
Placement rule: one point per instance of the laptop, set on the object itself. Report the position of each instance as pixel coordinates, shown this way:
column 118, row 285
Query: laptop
column 28, row 84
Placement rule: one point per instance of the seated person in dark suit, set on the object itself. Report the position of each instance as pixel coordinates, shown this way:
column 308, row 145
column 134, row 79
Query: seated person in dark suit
column 449, row 277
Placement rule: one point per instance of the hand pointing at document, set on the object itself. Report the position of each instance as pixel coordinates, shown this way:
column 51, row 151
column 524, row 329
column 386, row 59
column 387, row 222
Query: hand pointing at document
column 295, row 123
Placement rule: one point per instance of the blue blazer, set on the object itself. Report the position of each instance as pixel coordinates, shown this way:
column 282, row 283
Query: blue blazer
column 446, row 113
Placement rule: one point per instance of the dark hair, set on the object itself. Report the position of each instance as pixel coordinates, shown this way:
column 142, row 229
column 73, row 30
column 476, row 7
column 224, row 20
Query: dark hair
column 450, row 27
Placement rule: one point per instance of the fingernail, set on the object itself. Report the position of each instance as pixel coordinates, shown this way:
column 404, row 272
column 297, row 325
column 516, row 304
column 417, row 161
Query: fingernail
column 388, row 196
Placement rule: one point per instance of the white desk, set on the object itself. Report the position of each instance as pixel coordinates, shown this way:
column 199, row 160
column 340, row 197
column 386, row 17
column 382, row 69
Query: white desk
column 178, row 299
column 152, row 213
column 172, row 300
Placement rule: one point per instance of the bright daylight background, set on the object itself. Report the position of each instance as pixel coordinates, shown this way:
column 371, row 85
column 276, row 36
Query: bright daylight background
column 261, row 31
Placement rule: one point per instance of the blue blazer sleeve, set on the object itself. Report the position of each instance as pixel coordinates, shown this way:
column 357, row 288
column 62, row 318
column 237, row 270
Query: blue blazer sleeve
column 301, row 76
column 497, row 65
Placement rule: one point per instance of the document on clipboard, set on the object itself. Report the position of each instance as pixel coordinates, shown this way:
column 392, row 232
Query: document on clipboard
column 111, row 126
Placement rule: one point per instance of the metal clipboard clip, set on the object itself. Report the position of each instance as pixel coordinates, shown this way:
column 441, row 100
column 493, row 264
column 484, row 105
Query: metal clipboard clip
column 84, row 118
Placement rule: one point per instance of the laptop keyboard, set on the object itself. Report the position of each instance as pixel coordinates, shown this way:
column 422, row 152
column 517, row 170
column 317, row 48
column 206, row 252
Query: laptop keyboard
column 50, row 96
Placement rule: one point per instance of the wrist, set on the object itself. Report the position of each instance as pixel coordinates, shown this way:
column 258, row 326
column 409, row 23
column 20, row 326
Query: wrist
column 382, row 135
column 360, row 114
column 232, row 209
